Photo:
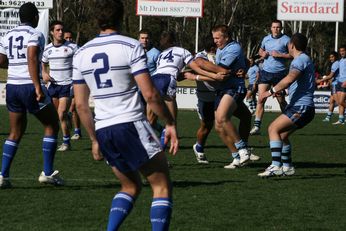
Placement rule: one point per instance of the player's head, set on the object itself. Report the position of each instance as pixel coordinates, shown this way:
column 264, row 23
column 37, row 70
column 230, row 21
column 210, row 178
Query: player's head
column 111, row 14
column 221, row 35
column 167, row 39
column 299, row 42
column 251, row 61
column 333, row 56
column 342, row 51
column 276, row 27
column 144, row 38
column 28, row 13
column 56, row 29
column 68, row 36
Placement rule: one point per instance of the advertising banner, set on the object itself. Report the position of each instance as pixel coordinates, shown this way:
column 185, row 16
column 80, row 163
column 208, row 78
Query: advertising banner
column 176, row 8
column 311, row 10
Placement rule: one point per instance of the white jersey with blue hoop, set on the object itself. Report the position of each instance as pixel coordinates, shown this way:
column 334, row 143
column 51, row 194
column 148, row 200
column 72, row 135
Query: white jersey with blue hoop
column 301, row 91
column 172, row 61
column 108, row 65
column 60, row 61
column 15, row 46
column 279, row 44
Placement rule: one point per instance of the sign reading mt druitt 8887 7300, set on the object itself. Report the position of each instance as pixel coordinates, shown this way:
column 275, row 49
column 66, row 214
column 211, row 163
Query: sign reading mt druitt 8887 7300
column 46, row 4
column 176, row 8
column 311, row 10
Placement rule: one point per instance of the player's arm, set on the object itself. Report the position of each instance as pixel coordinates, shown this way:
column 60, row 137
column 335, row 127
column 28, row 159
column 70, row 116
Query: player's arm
column 33, row 66
column 194, row 77
column 155, row 102
column 45, row 72
column 81, row 96
column 263, row 53
column 277, row 54
column 292, row 76
column 216, row 76
column 325, row 77
column 3, row 61
column 209, row 66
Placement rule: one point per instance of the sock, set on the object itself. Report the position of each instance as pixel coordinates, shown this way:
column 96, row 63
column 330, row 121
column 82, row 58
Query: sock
column 240, row 145
column 286, row 155
column 78, row 131
column 66, row 139
column 9, row 151
column 49, row 148
column 199, row 147
column 235, row 155
column 275, row 148
column 121, row 207
column 160, row 213
column 342, row 118
column 257, row 122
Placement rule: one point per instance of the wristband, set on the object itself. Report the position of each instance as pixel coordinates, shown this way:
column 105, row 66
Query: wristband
column 272, row 91
column 197, row 77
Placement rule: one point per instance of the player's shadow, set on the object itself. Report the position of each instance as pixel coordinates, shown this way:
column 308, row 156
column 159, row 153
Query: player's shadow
column 194, row 183
column 319, row 134
column 310, row 177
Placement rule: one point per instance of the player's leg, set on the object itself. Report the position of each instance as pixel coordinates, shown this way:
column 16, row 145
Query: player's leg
column 226, row 130
column 124, row 200
column 332, row 101
column 207, row 117
column 77, row 134
column 341, row 101
column 157, row 174
column 262, row 87
column 48, row 117
column 64, row 103
column 286, row 154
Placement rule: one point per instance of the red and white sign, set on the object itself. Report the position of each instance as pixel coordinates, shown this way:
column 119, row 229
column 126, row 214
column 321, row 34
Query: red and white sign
column 175, row 8
column 311, row 10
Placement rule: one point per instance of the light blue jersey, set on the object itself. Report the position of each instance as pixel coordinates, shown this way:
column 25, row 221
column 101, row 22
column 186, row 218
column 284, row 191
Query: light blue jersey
column 335, row 70
column 252, row 74
column 152, row 57
column 231, row 57
column 301, row 91
column 342, row 70
column 279, row 44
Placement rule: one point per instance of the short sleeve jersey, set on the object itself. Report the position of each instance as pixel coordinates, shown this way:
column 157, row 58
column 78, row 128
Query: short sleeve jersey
column 172, row 61
column 108, row 64
column 15, row 46
column 60, row 61
column 342, row 70
column 232, row 57
column 301, row 91
column 335, row 70
column 152, row 57
column 279, row 44
column 252, row 73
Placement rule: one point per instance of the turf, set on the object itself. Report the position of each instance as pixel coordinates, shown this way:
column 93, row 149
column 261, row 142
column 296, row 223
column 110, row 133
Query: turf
column 206, row 197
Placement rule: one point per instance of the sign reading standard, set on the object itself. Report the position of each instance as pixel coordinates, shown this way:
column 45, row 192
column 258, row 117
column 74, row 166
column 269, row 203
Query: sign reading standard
column 311, row 10
column 176, row 8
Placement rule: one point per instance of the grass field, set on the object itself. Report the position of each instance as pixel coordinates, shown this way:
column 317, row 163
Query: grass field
column 206, row 197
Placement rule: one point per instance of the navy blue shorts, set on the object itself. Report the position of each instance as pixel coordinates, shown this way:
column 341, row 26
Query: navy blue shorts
column 128, row 146
column 271, row 78
column 206, row 111
column 332, row 89
column 22, row 98
column 339, row 88
column 300, row 115
column 165, row 84
column 238, row 94
column 59, row 91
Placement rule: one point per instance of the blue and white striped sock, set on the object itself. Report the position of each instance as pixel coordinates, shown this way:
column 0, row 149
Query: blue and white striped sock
column 275, row 148
column 121, row 207
column 49, row 148
column 160, row 213
column 286, row 155
column 8, row 152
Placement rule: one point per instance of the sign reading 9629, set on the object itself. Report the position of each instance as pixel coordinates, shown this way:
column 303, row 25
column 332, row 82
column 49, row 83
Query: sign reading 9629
column 46, row 4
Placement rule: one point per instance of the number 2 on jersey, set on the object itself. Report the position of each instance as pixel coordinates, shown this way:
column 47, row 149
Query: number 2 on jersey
column 102, row 70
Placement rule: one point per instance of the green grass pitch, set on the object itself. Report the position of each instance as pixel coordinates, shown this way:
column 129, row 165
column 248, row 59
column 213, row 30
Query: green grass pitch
column 206, row 197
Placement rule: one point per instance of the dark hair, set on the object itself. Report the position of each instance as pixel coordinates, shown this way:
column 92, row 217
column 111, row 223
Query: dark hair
column 276, row 21
column 167, row 39
column 68, row 31
column 27, row 12
column 299, row 41
column 54, row 23
column 224, row 29
column 208, row 44
column 110, row 15
column 335, row 54
column 144, row 31
column 343, row 46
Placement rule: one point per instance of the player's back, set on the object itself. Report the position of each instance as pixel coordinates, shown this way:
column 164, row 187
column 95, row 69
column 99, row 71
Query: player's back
column 16, row 43
column 107, row 64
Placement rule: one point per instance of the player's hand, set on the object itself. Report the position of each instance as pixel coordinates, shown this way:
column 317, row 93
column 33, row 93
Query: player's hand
column 95, row 150
column 275, row 54
column 171, row 134
column 189, row 76
column 39, row 94
column 220, row 76
column 45, row 77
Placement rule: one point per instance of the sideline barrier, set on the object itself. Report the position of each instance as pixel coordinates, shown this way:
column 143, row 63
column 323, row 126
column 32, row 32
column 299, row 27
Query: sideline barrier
column 187, row 99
